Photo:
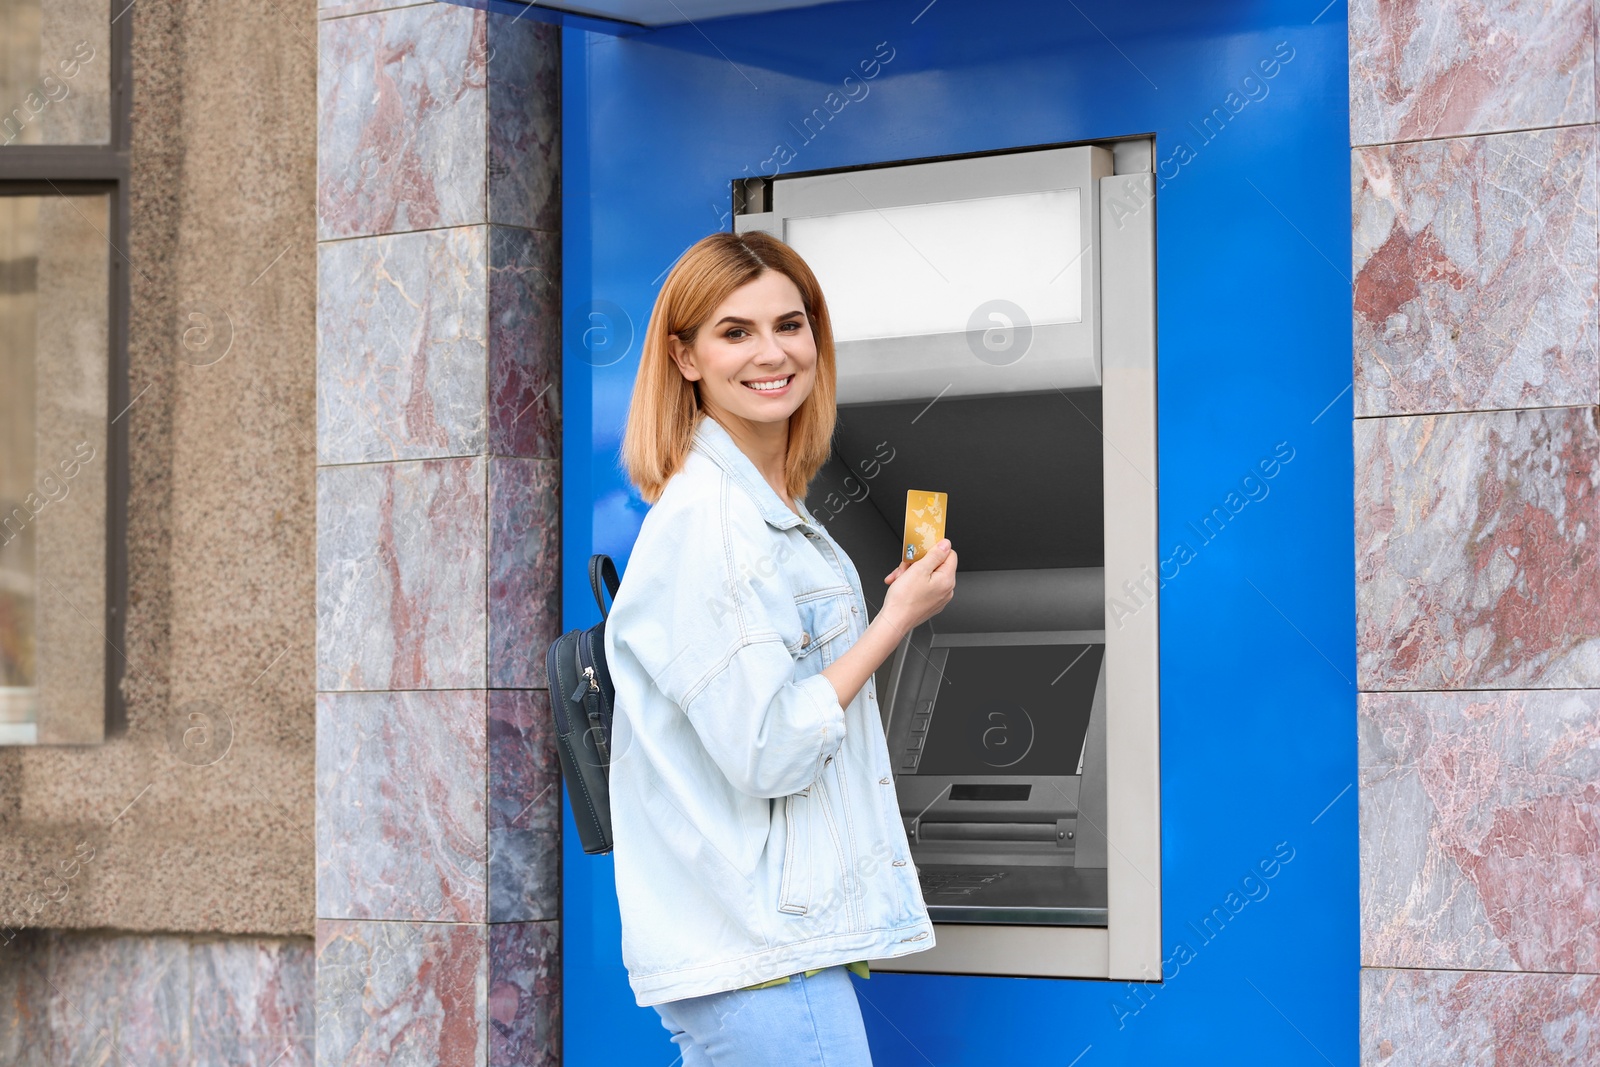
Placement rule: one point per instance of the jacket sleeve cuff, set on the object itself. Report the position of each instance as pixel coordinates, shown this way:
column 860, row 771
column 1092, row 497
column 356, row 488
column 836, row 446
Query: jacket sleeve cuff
column 832, row 716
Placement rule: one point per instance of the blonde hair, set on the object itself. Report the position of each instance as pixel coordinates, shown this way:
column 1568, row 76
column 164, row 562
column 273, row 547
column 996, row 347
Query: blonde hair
column 665, row 408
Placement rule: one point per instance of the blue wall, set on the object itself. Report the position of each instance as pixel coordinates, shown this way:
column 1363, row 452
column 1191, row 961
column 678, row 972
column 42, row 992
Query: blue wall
column 1257, row 634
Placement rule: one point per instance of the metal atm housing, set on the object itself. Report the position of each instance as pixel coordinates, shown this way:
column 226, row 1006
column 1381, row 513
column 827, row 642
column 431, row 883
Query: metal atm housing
column 995, row 341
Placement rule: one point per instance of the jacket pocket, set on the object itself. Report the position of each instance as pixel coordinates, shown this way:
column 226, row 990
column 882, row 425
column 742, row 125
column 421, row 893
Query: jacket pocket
column 824, row 619
column 794, row 888
column 814, row 880
column 840, row 893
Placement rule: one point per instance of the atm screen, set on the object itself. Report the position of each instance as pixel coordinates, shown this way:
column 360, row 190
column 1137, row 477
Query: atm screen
column 1012, row 710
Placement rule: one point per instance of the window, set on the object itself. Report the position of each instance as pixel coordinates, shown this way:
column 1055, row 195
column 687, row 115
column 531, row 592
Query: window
column 63, row 377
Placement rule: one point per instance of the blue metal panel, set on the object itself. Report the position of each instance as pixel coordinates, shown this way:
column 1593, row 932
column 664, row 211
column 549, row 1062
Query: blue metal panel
column 536, row 12
column 1258, row 697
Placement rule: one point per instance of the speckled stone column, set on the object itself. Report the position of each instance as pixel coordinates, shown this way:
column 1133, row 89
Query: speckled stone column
column 1475, row 161
column 438, row 408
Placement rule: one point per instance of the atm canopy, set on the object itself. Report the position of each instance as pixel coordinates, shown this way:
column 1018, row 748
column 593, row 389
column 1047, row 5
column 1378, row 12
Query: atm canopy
column 624, row 15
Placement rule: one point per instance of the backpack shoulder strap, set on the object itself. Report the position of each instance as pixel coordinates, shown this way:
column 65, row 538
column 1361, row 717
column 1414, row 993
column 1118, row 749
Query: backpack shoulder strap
column 601, row 568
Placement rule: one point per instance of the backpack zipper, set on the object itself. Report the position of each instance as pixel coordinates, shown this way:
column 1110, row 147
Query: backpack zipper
column 590, row 702
column 594, row 686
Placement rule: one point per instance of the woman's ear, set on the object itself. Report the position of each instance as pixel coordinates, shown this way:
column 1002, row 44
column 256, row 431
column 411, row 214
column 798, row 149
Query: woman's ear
column 683, row 357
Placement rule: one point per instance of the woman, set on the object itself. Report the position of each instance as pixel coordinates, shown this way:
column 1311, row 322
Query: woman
column 758, row 839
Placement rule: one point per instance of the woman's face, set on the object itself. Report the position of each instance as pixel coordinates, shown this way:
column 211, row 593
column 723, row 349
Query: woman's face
column 755, row 357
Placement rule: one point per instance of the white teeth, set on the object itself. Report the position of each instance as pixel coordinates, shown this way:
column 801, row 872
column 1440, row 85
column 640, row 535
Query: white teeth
column 767, row 387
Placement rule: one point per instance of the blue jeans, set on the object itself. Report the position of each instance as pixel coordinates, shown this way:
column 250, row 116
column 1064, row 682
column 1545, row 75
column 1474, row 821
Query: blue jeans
column 809, row 1022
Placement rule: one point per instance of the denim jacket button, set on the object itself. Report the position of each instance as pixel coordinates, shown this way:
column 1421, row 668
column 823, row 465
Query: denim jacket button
column 899, row 863
column 883, row 781
column 805, row 639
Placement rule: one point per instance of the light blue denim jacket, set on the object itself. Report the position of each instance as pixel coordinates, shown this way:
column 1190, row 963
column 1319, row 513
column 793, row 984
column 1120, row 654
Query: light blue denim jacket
column 756, row 827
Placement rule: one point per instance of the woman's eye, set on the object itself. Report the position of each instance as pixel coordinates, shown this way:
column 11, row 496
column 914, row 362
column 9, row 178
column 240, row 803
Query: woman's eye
column 734, row 334
column 786, row 325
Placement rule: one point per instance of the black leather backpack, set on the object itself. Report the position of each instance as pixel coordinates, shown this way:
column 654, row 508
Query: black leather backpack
column 581, row 699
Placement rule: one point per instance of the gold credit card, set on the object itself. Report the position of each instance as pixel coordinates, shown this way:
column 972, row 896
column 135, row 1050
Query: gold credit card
column 924, row 523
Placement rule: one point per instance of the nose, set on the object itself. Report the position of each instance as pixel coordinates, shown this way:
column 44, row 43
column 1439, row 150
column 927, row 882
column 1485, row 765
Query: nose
column 771, row 351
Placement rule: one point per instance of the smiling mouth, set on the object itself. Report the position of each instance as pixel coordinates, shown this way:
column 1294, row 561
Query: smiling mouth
column 769, row 387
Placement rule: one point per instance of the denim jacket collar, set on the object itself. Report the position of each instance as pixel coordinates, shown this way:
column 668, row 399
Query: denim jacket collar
column 712, row 438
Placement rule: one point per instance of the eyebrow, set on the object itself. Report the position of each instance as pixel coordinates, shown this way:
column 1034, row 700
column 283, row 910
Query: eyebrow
column 750, row 322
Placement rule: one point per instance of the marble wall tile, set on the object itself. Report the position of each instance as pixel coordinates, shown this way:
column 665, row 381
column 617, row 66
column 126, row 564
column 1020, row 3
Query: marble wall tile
column 75, row 997
column 1480, row 830
column 524, row 808
column 414, row 329
column 402, row 101
column 1450, row 1018
column 401, row 827
column 1476, row 541
column 118, row 998
column 393, row 994
column 1476, row 273
column 401, row 598
column 525, row 995
column 524, row 343
column 524, row 569
column 402, row 346
column 524, row 80
column 1442, row 68
column 253, row 1001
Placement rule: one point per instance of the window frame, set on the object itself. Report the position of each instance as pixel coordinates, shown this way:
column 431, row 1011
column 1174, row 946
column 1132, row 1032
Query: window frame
column 42, row 170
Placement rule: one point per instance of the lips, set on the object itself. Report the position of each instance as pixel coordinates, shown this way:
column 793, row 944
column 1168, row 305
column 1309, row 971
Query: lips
column 776, row 385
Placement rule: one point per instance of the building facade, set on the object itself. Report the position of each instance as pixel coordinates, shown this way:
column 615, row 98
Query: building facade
column 385, row 266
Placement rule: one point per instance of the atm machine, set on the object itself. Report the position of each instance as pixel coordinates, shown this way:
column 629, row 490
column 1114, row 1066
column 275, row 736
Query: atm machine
column 972, row 317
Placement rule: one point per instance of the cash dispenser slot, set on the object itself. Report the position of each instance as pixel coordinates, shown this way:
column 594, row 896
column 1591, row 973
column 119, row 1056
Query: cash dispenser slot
column 987, row 831
column 990, row 791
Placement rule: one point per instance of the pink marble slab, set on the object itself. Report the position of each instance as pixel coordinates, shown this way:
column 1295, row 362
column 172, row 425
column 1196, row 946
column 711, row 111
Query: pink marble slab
column 525, row 995
column 95, row 998
column 402, row 99
column 252, row 1002
column 524, row 569
column 1480, row 830
column 1476, row 550
column 401, row 587
column 401, row 820
column 403, row 346
column 391, row 992
column 1441, row 68
column 524, row 808
column 1453, row 1018
column 524, row 128
column 524, row 318
column 1476, row 273
column 441, row 343
column 438, row 993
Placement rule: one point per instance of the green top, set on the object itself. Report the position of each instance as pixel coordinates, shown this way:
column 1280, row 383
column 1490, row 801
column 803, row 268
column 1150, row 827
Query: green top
column 859, row 967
